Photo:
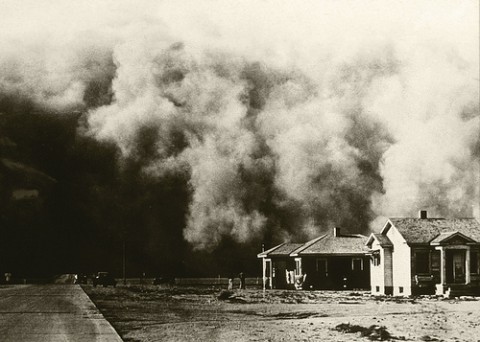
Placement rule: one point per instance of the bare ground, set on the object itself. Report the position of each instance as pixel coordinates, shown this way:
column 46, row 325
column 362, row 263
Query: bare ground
column 150, row 313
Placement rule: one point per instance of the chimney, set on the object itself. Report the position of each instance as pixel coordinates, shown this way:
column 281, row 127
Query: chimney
column 263, row 247
column 336, row 232
column 476, row 211
column 422, row 214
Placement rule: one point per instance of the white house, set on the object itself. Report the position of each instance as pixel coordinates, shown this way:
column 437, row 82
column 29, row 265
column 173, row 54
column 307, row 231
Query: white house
column 425, row 256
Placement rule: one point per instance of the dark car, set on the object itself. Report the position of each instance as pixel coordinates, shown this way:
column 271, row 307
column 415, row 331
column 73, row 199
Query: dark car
column 81, row 279
column 105, row 279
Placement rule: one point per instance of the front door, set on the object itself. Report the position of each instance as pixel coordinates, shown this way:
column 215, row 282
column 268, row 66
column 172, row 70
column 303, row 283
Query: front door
column 279, row 276
column 456, row 266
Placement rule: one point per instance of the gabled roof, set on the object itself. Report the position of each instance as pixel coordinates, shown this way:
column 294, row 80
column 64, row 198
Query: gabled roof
column 447, row 236
column 306, row 245
column 424, row 231
column 284, row 249
column 337, row 245
column 265, row 253
column 383, row 240
column 327, row 244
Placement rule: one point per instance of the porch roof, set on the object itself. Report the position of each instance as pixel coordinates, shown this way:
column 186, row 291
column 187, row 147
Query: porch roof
column 283, row 249
column 444, row 237
column 265, row 253
column 424, row 231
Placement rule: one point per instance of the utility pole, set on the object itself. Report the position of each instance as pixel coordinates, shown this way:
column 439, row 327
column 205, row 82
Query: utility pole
column 124, row 262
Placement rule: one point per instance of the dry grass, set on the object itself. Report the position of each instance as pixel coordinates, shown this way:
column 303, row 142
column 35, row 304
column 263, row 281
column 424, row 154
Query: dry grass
column 150, row 313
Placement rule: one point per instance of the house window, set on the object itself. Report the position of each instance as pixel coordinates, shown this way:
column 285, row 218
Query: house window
column 376, row 259
column 400, row 289
column 422, row 262
column 322, row 266
column 357, row 264
column 474, row 262
column 435, row 262
column 377, row 288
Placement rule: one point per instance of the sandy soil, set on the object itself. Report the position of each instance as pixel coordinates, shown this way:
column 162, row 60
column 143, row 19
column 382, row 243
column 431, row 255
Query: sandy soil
column 149, row 313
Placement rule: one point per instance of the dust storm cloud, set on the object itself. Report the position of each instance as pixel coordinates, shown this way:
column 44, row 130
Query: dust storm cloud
column 281, row 118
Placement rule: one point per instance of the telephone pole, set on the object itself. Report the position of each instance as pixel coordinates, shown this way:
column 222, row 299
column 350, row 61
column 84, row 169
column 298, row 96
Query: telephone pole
column 124, row 262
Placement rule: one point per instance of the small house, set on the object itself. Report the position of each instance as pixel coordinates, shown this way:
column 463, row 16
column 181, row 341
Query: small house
column 425, row 256
column 332, row 261
column 279, row 269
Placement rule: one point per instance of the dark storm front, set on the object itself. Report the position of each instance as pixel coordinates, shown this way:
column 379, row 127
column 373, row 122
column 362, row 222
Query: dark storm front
column 239, row 170
column 69, row 205
column 144, row 140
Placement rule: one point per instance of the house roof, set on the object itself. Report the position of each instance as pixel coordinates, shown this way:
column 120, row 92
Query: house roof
column 283, row 249
column 424, row 231
column 444, row 237
column 383, row 240
column 306, row 245
column 342, row 244
column 265, row 253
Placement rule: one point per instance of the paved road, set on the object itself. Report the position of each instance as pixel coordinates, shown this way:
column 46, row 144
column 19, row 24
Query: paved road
column 51, row 313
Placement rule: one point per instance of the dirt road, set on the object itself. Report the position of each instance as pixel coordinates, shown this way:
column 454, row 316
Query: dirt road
column 51, row 313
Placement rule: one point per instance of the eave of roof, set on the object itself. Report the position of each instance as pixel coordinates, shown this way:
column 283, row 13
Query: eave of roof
column 332, row 253
column 285, row 250
column 265, row 253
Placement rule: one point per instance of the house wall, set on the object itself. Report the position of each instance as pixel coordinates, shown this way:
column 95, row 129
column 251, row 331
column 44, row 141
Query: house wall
column 381, row 275
column 431, row 273
column 475, row 274
column 336, row 272
column 377, row 273
column 388, row 269
column 401, row 267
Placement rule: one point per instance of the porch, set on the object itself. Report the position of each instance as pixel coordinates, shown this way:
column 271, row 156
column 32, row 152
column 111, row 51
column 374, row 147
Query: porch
column 458, row 271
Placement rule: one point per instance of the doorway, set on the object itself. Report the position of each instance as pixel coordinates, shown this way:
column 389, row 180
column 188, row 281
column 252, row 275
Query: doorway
column 455, row 266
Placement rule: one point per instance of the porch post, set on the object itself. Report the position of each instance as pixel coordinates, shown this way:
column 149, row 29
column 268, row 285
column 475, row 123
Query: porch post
column 264, row 268
column 443, row 266
column 467, row 266
column 440, row 288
